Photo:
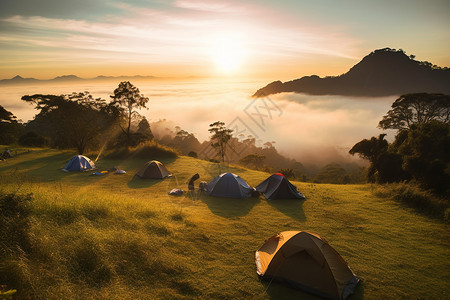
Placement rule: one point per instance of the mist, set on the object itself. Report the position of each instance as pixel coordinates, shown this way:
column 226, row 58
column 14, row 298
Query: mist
column 314, row 130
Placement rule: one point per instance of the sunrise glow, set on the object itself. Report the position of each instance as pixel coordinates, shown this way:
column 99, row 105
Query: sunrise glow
column 228, row 52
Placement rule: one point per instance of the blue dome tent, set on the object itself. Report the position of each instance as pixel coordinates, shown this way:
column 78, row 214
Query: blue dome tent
column 79, row 163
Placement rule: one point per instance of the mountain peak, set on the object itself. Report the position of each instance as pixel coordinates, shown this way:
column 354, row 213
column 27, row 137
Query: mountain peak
column 67, row 77
column 383, row 72
column 17, row 77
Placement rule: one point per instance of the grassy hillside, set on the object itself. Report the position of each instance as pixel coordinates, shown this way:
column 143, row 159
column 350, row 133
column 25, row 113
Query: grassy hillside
column 116, row 237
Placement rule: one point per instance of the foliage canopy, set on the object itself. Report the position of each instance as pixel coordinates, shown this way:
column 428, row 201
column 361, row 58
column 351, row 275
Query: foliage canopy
column 417, row 109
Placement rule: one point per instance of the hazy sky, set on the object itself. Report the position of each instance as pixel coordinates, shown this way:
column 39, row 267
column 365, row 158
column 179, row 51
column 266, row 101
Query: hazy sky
column 266, row 38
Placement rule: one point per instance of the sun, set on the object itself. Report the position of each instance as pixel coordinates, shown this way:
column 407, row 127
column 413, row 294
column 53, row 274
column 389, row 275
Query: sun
column 227, row 52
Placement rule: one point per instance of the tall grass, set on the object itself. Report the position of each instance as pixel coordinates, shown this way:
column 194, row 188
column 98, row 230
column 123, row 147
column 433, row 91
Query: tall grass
column 106, row 237
column 413, row 196
column 90, row 241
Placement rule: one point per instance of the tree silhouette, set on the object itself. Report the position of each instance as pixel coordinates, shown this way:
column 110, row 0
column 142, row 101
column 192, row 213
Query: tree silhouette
column 77, row 120
column 9, row 127
column 384, row 166
column 220, row 138
column 128, row 98
column 425, row 151
column 417, row 109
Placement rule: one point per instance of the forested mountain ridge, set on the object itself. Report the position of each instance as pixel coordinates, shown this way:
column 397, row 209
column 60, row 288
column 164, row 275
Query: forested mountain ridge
column 383, row 72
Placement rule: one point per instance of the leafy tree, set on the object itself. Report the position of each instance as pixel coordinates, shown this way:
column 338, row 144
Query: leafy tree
column 77, row 120
column 288, row 173
column 384, row 166
column 370, row 149
column 220, row 138
column 10, row 128
column 128, row 98
column 141, row 135
column 417, row 109
column 144, row 128
column 426, row 156
column 253, row 160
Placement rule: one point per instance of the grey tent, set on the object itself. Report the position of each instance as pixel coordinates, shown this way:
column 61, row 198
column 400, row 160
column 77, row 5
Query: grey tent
column 229, row 185
column 79, row 163
column 153, row 169
column 278, row 187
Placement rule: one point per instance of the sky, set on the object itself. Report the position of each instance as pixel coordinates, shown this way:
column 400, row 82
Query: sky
column 208, row 38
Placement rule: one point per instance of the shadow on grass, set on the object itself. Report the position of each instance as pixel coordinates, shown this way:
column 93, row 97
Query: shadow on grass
column 280, row 291
column 229, row 207
column 283, row 291
column 292, row 208
column 139, row 183
column 46, row 168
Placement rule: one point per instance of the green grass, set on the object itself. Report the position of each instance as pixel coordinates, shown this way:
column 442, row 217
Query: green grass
column 117, row 237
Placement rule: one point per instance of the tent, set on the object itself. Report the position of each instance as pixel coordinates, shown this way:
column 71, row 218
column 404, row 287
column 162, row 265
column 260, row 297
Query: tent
column 277, row 186
column 153, row 169
column 229, row 185
column 79, row 163
column 307, row 261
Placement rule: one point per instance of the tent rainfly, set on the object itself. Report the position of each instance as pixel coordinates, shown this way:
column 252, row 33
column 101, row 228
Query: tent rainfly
column 277, row 186
column 306, row 261
column 79, row 163
column 229, row 185
column 154, row 170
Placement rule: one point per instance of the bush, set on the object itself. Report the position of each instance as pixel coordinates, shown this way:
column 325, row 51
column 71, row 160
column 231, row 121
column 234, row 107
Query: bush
column 145, row 150
column 417, row 198
column 193, row 154
column 32, row 139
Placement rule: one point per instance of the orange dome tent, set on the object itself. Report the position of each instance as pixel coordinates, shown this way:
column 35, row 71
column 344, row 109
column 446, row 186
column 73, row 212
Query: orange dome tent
column 307, row 261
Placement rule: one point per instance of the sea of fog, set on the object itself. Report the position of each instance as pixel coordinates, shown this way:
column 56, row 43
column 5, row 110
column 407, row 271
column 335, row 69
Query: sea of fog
column 311, row 129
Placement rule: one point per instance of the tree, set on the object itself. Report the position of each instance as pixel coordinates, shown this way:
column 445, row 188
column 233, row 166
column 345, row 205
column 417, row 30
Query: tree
column 10, row 128
column 288, row 173
column 417, row 109
column 253, row 160
column 384, row 166
column 128, row 98
column 220, row 138
column 144, row 128
column 425, row 152
column 77, row 120
column 370, row 149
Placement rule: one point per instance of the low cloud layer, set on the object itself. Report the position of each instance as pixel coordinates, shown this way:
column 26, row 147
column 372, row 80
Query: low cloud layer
column 311, row 129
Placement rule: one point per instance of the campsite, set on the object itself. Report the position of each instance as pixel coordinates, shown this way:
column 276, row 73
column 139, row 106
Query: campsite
column 119, row 236
column 221, row 150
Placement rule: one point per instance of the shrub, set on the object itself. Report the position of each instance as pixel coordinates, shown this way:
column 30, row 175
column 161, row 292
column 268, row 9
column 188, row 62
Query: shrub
column 145, row 150
column 417, row 198
column 193, row 154
column 32, row 139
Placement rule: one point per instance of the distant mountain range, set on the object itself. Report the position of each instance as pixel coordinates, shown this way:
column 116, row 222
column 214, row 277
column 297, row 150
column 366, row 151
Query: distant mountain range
column 383, row 72
column 69, row 78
